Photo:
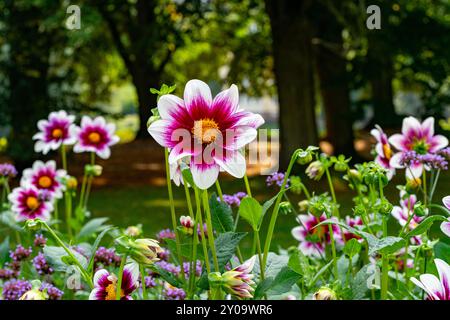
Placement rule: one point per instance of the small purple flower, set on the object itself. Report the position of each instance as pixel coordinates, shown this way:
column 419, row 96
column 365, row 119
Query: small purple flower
column 150, row 282
column 39, row 240
column 14, row 289
column 6, row 274
column 205, row 231
column 41, row 265
column 95, row 135
column 276, row 178
column 20, row 253
column 7, row 170
column 46, row 178
column 54, row 132
column 445, row 153
column 53, row 292
column 105, row 284
column 106, row 257
column 169, row 267
column 187, row 268
column 164, row 254
column 165, row 234
column 27, row 203
column 172, row 293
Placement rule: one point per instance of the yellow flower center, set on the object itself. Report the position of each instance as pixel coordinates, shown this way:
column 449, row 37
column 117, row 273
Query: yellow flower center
column 205, row 130
column 32, row 203
column 57, row 133
column 45, row 182
column 111, row 292
column 94, row 137
column 387, row 151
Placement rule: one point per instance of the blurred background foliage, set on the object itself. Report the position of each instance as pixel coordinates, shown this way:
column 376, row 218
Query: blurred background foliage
column 315, row 60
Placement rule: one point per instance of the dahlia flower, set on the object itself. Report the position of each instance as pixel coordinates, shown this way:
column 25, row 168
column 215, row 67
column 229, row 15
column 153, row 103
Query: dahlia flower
column 210, row 132
column 238, row 281
column 352, row 222
column 403, row 213
column 383, row 150
column 418, row 137
column 445, row 226
column 95, row 135
column 314, row 239
column 105, row 284
column 436, row 288
column 45, row 177
column 54, row 132
column 28, row 203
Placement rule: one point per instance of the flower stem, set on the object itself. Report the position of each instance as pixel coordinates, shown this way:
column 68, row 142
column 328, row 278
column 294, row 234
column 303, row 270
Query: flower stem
column 89, row 183
column 433, row 187
column 64, row 157
column 202, row 232
column 210, row 230
column 333, row 194
column 194, row 255
column 172, row 212
column 276, row 208
column 144, row 287
column 85, row 275
column 258, row 248
column 219, row 190
column 247, row 185
column 384, row 266
column 56, row 213
column 425, row 195
column 188, row 201
column 119, row 280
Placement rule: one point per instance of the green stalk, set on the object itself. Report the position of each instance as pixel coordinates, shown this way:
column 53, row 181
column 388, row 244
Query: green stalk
column 433, row 187
column 172, row 212
column 188, row 201
column 258, row 248
column 276, row 208
column 202, row 232
column 144, row 288
column 247, row 185
column 333, row 194
column 89, row 183
column 84, row 273
column 384, row 266
column 64, row 157
column 194, row 255
column 219, row 190
column 119, row 280
column 56, row 212
column 425, row 195
column 210, row 230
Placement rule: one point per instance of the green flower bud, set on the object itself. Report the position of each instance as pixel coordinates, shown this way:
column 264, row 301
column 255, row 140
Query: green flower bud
column 420, row 210
column 315, row 170
column 304, row 157
column 325, row 293
column 134, row 231
column 355, row 175
column 33, row 225
column 295, row 184
column 340, row 163
column 303, row 205
column 386, row 207
column 412, row 185
column 285, row 207
column 93, row 170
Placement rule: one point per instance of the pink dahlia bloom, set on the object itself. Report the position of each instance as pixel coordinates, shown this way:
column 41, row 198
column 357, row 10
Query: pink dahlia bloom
column 403, row 213
column 436, row 288
column 105, row 284
column 45, row 177
column 354, row 222
column 239, row 281
column 28, row 203
column 445, row 226
column 417, row 137
column 383, row 150
column 314, row 239
column 95, row 135
column 54, row 132
column 210, row 132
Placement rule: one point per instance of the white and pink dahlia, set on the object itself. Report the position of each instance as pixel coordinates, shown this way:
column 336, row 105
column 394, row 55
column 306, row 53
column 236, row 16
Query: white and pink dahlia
column 436, row 288
column 239, row 281
column 45, row 177
column 27, row 202
column 383, row 150
column 54, row 132
column 95, row 135
column 417, row 137
column 313, row 239
column 210, row 132
column 105, row 284
column 445, row 226
column 405, row 213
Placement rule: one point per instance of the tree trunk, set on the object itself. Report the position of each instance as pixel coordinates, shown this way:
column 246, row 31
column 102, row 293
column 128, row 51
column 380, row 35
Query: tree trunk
column 381, row 75
column 293, row 64
column 334, row 87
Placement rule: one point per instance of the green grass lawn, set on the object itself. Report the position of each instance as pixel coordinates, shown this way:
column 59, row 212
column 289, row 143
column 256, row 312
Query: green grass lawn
column 150, row 206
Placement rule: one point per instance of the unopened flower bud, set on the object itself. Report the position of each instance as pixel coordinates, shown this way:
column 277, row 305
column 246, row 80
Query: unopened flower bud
column 420, row 210
column 386, row 207
column 134, row 231
column 187, row 224
column 285, row 207
column 413, row 184
column 304, row 157
column 72, row 183
column 303, row 205
column 34, row 294
column 324, row 293
column 93, row 170
column 355, row 175
column 33, row 224
column 315, row 170
column 143, row 251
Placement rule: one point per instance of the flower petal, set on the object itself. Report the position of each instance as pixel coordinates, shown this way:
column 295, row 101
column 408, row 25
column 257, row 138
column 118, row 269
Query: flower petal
column 168, row 104
column 233, row 163
column 411, row 126
column 100, row 275
column 197, row 95
column 204, row 175
column 437, row 143
column 159, row 131
column 428, row 127
column 228, row 100
column 398, row 141
column 446, row 202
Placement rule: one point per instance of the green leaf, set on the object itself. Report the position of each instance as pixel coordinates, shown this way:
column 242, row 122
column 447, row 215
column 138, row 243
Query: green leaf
column 226, row 244
column 95, row 246
column 442, row 251
column 8, row 219
column 283, row 281
column 262, row 288
column 319, row 274
column 185, row 248
column 187, row 174
column 352, row 247
column 92, row 227
column 424, row 226
column 274, row 265
column 221, row 215
column 56, row 257
column 298, row 262
column 359, row 283
column 251, row 211
column 4, row 251
column 167, row 276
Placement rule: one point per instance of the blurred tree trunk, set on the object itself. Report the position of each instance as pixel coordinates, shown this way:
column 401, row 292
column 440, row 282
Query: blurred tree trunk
column 334, row 86
column 381, row 74
column 293, row 64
